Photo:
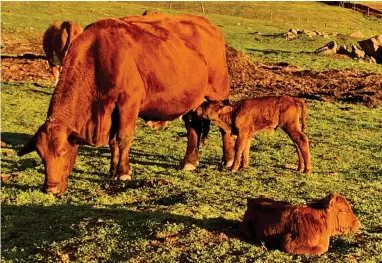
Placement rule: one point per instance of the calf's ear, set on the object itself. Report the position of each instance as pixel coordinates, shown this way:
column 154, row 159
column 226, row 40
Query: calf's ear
column 225, row 110
column 75, row 138
column 30, row 146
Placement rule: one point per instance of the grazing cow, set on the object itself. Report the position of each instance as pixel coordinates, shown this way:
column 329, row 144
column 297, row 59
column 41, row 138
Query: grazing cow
column 247, row 117
column 154, row 67
column 56, row 41
column 301, row 229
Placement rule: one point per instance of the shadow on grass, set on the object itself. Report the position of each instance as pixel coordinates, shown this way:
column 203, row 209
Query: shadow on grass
column 36, row 228
column 15, row 139
column 276, row 51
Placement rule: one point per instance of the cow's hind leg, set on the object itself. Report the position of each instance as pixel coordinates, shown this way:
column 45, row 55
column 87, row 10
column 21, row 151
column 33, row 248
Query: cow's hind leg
column 194, row 127
column 113, row 144
column 128, row 114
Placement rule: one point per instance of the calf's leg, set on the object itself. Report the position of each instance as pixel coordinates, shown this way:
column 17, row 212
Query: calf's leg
column 246, row 153
column 240, row 145
column 228, row 148
column 300, row 139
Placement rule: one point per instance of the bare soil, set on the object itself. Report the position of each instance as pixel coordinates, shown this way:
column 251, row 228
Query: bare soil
column 249, row 79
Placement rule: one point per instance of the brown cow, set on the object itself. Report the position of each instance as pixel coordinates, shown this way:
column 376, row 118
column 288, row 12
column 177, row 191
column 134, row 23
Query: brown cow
column 56, row 41
column 247, row 117
column 154, row 67
column 301, row 229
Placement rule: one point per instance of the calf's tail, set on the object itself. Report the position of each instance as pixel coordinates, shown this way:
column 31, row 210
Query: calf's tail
column 304, row 113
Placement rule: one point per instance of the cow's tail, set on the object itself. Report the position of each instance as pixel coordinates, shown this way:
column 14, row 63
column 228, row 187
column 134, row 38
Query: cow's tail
column 304, row 112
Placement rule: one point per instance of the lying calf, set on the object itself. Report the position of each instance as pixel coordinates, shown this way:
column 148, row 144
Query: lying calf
column 247, row 117
column 301, row 229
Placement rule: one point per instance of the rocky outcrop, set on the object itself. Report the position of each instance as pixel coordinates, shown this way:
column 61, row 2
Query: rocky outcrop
column 373, row 47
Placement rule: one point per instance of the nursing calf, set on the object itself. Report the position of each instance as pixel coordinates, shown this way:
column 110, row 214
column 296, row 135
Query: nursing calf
column 250, row 116
column 301, row 229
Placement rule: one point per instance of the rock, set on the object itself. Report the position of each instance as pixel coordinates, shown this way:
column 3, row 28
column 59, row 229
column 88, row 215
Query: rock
column 294, row 31
column 318, row 33
column 290, row 36
column 357, row 52
column 356, row 34
column 369, row 59
column 373, row 47
column 309, row 33
column 3, row 144
column 299, row 31
column 329, row 49
column 343, row 50
column 325, row 36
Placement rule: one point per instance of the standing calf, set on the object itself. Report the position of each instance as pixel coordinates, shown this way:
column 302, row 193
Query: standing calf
column 56, row 42
column 301, row 229
column 247, row 117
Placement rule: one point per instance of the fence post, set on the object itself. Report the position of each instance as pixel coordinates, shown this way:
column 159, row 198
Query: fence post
column 170, row 5
column 201, row 3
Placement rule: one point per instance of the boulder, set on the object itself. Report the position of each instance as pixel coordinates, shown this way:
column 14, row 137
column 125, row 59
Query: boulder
column 343, row 50
column 329, row 49
column 290, row 36
column 356, row 34
column 357, row 52
column 372, row 47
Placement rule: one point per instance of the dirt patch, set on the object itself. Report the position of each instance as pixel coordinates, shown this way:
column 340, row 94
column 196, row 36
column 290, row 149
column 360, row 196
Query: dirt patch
column 33, row 70
column 250, row 79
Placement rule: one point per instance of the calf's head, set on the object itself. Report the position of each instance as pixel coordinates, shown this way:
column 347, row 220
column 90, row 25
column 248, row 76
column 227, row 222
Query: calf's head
column 212, row 109
column 342, row 220
column 57, row 146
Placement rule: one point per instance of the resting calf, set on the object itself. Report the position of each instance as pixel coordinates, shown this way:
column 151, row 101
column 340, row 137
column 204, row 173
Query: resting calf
column 301, row 229
column 247, row 117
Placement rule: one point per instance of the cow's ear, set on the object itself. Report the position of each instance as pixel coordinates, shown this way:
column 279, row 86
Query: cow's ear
column 30, row 146
column 225, row 110
column 75, row 138
column 327, row 202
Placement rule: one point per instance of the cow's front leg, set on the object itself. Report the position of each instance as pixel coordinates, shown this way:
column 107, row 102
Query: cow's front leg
column 114, row 157
column 194, row 127
column 128, row 114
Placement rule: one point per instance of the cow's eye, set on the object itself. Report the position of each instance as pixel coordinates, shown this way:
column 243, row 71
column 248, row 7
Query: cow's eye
column 62, row 152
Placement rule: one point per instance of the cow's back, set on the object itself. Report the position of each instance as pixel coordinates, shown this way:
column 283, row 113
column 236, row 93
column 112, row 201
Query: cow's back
column 199, row 34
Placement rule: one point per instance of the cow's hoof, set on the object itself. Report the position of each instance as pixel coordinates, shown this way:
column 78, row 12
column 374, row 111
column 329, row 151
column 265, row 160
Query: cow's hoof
column 229, row 164
column 189, row 167
column 125, row 177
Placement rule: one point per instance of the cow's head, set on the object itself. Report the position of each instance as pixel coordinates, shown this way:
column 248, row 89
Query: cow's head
column 57, row 147
column 341, row 217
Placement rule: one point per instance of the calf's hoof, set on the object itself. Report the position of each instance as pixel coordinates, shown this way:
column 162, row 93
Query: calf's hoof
column 307, row 171
column 228, row 164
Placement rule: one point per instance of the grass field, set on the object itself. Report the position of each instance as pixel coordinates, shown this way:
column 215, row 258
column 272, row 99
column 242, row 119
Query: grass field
column 168, row 215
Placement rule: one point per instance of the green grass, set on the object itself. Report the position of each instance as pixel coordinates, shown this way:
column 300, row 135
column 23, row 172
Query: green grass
column 168, row 215
column 236, row 19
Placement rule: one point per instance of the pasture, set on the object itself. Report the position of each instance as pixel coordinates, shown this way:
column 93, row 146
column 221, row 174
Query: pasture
column 165, row 214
